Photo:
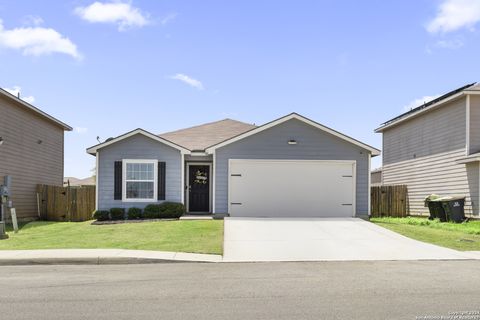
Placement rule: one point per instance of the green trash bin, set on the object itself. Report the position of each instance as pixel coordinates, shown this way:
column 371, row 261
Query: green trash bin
column 435, row 207
column 454, row 208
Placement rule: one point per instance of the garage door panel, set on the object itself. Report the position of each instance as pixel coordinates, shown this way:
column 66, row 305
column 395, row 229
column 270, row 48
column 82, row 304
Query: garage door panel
column 290, row 188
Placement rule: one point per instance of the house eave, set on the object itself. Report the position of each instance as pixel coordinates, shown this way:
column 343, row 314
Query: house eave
column 468, row 159
column 198, row 153
column 423, row 111
column 94, row 149
column 30, row 107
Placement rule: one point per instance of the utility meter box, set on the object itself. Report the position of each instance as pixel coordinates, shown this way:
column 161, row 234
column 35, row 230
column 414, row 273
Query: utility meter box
column 4, row 191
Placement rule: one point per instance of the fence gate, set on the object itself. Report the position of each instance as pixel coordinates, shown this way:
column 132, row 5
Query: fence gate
column 65, row 203
column 389, row 201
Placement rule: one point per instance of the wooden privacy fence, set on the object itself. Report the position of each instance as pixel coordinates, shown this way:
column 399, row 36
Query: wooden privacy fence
column 65, row 203
column 389, row 201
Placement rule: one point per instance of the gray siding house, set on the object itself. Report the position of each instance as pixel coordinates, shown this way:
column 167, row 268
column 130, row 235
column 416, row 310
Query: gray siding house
column 435, row 149
column 290, row 167
column 31, row 151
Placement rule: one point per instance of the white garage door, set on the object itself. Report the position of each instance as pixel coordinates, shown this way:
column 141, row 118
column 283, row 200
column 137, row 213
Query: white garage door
column 291, row 188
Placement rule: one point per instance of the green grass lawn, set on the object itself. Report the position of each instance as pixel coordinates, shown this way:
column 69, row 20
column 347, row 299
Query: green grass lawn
column 186, row 236
column 459, row 236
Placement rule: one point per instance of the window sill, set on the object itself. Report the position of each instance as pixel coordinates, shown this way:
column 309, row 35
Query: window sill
column 140, row 200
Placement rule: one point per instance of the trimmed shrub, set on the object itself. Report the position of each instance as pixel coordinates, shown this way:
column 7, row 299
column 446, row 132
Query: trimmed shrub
column 117, row 213
column 165, row 210
column 151, row 211
column 101, row 215
column 134, row 213
column 171, row 210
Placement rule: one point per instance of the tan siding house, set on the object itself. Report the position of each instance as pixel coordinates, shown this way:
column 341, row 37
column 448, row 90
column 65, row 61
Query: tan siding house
column 432, row 149
column 474, row 124
column 376, row 177
column 31, row 151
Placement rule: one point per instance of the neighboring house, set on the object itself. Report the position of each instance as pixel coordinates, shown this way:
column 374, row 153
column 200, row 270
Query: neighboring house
column 435, row 148
column 376, row 177
column 290, row 167
column 76, row 182
column 31, row 151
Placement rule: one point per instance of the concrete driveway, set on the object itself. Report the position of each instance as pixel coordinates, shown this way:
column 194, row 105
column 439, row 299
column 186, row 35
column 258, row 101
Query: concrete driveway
column 323, row 239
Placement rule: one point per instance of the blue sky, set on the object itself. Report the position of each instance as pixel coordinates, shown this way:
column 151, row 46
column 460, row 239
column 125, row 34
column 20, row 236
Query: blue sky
column 108, row 67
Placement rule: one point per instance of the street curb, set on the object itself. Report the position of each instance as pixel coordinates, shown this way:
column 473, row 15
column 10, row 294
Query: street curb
column 89, row 261
column 100, row 256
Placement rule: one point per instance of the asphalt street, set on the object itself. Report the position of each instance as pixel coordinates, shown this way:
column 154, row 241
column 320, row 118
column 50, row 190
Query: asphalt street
column 292, row 290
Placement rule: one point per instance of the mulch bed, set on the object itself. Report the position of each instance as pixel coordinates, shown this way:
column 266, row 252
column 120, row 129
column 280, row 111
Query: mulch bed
column 128, row 221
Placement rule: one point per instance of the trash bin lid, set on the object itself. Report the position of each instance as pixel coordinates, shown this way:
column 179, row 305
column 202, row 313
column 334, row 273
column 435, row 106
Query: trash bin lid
column 444, row 198
column 432, row 198
column 450, row 198
column 456, row 197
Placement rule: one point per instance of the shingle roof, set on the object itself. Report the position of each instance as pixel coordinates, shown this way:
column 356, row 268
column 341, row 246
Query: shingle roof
column 90, row 181
column 200, row 137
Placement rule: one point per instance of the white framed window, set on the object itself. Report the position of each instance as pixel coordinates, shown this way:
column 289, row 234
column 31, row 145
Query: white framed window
column 139, row 180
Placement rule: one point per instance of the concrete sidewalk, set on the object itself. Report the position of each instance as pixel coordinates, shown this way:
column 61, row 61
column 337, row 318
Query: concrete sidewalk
column 121, row 256
column 99, row 256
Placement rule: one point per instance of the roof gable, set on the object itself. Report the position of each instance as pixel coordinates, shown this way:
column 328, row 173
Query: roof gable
column 301, row 118
column 93, row 150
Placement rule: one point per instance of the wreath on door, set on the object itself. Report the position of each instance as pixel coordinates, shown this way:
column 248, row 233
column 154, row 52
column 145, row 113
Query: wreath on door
column 200, row 177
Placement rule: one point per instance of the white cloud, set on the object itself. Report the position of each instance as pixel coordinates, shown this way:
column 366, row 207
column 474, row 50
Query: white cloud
column 418, row 102
column 168, row 18
column 456, row 43
column 121, row 13
column 188, row 80
column 80, row 130
column 448, row 44
column 37, row 41
column 16, row 90
column 453, row 15
column 28, row 99
column 32, row 20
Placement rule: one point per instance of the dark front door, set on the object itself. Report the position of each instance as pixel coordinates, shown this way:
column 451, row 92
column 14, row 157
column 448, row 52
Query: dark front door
column 199, row 188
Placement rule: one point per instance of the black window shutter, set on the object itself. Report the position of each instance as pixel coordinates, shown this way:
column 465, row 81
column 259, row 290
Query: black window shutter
column 118, row 181
column 161, row 181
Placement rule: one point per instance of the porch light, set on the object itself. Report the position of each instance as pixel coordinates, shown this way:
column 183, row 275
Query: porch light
column 1, row 141
column 292, row 142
